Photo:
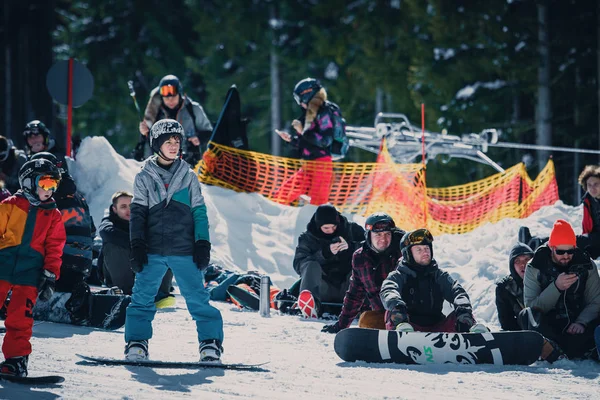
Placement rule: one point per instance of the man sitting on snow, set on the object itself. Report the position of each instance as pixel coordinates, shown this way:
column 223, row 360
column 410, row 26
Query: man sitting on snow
column 323, row 259
column 562, row 293
column 116, row 265
column 509, row 290
column 371, row 264
column 414, row 293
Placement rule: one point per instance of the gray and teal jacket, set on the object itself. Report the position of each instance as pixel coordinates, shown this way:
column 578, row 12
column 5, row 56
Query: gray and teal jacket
column 580, row 303
column 168, row 211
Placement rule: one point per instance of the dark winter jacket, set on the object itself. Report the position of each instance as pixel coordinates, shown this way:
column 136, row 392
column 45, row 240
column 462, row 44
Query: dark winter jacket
column 591, row 214
column 316, row 141
column 9, row 169
column 80, row 230
column 369, row 269
column 509, row 291
column 167, row 210
column 422, row 290
column 114, row 230
column 313, row 245
column 580, row 303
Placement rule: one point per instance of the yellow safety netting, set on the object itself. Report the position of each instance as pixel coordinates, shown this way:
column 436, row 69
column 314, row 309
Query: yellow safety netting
column 398, row 189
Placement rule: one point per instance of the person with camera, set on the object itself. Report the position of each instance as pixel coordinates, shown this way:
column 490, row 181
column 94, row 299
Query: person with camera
column 561, row 290
column 323, row 259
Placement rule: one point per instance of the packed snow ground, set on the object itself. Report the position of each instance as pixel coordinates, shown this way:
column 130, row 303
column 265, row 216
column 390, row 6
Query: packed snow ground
column 249, row 232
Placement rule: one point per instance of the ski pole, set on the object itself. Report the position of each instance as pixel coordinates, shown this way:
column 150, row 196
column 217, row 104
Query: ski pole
column 138, row 152
column 132, row 94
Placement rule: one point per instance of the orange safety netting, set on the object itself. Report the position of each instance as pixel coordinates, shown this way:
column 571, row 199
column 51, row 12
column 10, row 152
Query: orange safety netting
column 398, row 189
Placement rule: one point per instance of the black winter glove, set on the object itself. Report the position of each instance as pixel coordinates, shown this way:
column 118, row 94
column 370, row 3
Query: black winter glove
column 46, row 285
column 331, row 328
column 202, row 254
column 397, row 315
column 464, row 322
column 138, row 255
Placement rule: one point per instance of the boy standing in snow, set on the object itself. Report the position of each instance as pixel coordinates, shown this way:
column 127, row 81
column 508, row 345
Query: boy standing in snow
column 32, row 237
column 169, row 229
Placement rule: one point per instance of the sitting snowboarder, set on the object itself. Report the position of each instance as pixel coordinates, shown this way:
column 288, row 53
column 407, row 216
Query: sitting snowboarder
column 414, row 293
column 509, row 290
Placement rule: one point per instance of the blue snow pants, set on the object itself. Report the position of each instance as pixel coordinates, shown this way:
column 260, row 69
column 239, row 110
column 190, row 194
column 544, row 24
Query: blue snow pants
column 141, row 310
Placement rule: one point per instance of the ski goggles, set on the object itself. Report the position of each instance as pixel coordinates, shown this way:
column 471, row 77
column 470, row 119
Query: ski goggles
column 420, row 236
column 168, row 91
column 381, row 226
column 47, row 182
column 560, row 252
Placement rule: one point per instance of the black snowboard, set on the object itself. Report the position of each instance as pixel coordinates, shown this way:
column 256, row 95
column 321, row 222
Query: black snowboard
column 379, row 346
column 244, row 298
column 33, row 380
column 230, row 129
column 175, row 364
column 106, row 311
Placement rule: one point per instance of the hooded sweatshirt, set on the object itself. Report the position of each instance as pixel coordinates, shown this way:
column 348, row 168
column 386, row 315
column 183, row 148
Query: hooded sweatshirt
column 509, row 291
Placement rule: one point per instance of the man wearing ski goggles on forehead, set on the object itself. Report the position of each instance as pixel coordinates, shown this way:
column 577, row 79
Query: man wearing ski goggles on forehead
column 168, row 101
column 414, row 293
column 561, row 290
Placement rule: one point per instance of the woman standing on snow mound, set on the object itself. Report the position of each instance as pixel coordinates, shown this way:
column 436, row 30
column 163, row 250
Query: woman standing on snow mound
column 313, row 139
column 169, row 229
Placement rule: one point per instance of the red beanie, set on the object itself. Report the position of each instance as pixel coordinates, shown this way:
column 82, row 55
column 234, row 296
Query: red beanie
column 562, row 234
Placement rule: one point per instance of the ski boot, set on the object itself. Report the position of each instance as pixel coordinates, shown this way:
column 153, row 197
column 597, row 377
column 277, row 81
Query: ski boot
column 210, row 351
column 15, row 366
column 136, row 350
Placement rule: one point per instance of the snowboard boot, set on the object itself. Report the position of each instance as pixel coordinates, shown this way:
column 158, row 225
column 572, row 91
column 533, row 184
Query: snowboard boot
column 286, row 302
column 308, row 305
column 136, row 350
column 166, row 302
column 404, row 327
column 478, row 328
column 210, row 351
column 15, row 366
column 551, row 352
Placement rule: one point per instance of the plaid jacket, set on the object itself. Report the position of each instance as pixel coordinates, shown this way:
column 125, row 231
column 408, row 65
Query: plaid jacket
column 369, row 269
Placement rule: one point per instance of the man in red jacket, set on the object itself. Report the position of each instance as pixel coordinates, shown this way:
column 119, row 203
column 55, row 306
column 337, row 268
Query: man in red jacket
column 32, row 237
column 371, row 264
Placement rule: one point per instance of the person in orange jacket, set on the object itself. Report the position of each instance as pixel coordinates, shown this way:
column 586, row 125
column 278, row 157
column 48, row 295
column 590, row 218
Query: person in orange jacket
column 32, row 237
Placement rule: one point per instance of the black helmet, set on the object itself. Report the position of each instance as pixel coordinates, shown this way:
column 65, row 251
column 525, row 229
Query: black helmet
column 50, row 157
column 162, row 130
column 36, row 127
column 378, row 222
column 417, row 237
column 171, row 85
column 305, row 90
column 32, row 171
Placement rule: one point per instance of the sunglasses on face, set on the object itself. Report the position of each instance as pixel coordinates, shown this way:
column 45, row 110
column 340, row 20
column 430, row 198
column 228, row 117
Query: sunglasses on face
column 563, row 252
column 47, row 182
column 168, row 91
column 420, row 236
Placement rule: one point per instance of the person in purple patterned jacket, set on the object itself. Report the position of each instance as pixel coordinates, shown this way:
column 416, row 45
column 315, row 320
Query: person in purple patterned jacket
column 371, row 264
column 312, row 138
